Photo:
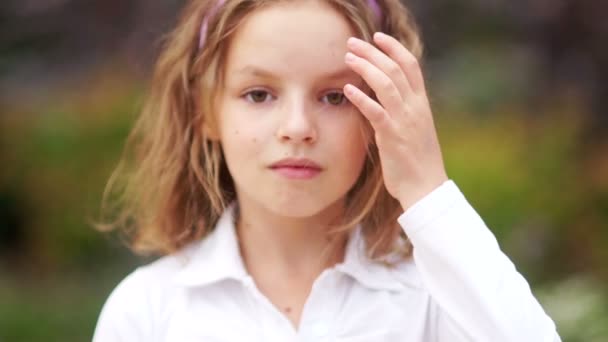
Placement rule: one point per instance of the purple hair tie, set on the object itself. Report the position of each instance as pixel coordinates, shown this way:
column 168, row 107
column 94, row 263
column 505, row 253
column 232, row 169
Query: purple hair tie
column 373, row 5
column 203, row 32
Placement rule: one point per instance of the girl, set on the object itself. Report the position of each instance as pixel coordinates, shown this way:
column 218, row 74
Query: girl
column 289, row 170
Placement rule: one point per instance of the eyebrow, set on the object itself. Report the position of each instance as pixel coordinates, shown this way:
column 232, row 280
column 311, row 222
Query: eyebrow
column 263, row 73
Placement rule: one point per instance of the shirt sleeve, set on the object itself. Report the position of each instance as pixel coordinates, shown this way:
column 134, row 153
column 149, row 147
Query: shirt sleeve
column 480, row 294
column 124, row 317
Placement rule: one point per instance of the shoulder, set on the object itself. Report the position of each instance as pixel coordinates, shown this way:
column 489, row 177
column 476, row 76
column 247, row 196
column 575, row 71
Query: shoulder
column 414, row 292
column 160, row 274
column 157, row 276
column 406, row 274
column 137, row 304
column 398, row 267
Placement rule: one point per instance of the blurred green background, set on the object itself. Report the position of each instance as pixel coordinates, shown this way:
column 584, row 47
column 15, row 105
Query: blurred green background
column 519, row 90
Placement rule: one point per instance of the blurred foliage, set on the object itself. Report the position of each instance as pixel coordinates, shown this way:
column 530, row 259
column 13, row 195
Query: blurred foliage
column 578, row 308
column 518, row 101
column 55, row 269
column 533, row 186
column 59, row 160
column 59, row 308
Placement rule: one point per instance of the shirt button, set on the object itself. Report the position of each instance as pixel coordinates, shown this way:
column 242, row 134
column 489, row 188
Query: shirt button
column 319, row 329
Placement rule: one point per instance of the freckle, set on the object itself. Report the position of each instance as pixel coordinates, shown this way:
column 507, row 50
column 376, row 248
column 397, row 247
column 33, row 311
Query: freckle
column 287, row 310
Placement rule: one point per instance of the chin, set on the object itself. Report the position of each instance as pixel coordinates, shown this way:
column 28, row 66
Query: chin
column 298, row 201
column 297, row 208
column 302, row 206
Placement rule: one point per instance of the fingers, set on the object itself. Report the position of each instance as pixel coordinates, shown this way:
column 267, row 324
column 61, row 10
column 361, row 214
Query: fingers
column 407, row 62
column 381, row 84
column 382, row 61
column 391, row 71
column 371, row 109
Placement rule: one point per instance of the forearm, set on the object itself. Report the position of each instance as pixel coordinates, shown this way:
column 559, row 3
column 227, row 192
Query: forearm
column 476, row 286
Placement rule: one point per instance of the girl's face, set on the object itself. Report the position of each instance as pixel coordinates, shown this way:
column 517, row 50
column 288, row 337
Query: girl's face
column 293, row 144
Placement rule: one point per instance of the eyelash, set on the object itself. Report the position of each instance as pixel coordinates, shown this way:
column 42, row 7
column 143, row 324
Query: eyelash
column 268, row 96
column 343, row 99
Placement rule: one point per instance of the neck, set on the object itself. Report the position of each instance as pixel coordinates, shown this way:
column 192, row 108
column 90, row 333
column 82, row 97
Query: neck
column 285, row 255
column 296, row 246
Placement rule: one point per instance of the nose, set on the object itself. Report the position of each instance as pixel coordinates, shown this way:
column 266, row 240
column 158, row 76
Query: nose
column 297, row 123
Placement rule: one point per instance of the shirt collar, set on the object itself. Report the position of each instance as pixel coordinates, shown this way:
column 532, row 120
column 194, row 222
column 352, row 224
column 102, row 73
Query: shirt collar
column 214, row 258
column 217, row 257
column 376, row 275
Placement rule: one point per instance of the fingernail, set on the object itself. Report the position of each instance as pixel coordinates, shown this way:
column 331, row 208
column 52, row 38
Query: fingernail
column 379, row 35
column 349, row 57
column 348, row 89
column 354, row 42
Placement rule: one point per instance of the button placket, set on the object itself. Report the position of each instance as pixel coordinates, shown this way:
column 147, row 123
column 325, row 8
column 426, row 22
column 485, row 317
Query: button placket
column 319, row 329
column 263, row 307
column 321, row 308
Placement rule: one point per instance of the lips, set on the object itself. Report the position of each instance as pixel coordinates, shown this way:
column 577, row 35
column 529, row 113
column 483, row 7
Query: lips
column 297, row 168
column 296, row 163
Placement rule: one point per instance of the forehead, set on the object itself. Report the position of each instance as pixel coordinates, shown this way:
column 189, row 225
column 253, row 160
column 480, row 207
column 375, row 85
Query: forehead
column 296, row 38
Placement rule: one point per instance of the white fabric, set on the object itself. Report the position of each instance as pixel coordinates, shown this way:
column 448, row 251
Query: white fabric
column 458, row 287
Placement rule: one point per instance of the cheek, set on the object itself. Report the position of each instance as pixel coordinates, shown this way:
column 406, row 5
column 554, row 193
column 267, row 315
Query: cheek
column 236, row 142
column 241, row 141
column 356, row 130
column 241, row 153
column 350, row 140
column 237, row 130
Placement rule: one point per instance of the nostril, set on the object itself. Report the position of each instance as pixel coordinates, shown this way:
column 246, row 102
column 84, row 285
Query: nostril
column 297, row 129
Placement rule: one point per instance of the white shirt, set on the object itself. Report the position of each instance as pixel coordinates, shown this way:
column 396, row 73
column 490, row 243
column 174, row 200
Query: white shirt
column 459, row 286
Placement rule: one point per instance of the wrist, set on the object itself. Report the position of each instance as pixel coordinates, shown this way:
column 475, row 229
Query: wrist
column 412, row 195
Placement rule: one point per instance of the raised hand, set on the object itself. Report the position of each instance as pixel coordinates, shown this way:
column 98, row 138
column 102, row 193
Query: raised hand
column 412, row 163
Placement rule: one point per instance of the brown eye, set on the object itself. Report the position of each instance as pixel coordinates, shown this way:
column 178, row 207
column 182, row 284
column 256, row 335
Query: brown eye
column 335, row 98
column 258, row 96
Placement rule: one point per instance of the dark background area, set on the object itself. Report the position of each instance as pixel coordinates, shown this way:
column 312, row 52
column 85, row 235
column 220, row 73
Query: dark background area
column 519, row 91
